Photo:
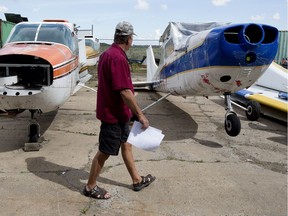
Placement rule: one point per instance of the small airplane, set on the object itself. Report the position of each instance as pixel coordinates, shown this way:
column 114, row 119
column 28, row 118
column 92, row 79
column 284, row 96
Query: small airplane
column 40, row 68
column 92, row 46
column 268, row 95
column 206, row 59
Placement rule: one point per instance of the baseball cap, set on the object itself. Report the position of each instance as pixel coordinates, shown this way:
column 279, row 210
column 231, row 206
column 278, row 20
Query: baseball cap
column 124, row 28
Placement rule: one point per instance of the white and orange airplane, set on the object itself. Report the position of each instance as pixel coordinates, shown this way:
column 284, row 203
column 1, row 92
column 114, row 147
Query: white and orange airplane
column 40, row 68
column 206, row 59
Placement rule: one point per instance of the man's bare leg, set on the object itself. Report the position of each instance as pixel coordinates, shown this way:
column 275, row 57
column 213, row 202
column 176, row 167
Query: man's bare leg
column 126, row 150
column 96, row 167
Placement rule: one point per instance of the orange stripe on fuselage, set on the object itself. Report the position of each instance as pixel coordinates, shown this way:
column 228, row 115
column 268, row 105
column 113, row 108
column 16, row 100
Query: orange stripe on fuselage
column 65, row 68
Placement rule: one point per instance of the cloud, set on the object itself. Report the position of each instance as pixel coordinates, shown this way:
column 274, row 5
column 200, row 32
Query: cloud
column 276, row 16
column 3, row 8
column 257, row 17
column 220, row 2
column 142, row 5
column 164, row 7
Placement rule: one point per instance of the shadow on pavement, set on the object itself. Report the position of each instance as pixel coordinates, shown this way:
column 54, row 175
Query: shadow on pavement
column 173, row 121
column 66, row 176
column 14, row 131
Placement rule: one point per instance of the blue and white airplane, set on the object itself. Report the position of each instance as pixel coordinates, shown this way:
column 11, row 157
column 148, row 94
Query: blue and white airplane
column 206, row 59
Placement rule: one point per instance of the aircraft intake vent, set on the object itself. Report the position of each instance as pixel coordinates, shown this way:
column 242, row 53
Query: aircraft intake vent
column 251, row 34
column 231, row 34
column 271, row 34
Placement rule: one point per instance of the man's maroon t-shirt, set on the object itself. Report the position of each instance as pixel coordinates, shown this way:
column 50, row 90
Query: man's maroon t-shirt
column 113, row 76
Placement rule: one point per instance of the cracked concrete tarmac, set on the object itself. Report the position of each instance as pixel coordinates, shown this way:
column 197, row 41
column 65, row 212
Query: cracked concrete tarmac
column 200, row 170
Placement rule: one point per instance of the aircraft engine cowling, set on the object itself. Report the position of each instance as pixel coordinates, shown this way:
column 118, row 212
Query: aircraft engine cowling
column 243, row 45
column 30, row 71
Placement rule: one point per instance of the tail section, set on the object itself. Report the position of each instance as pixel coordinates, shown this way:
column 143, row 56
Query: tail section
column 151, row 64
column 151, row 71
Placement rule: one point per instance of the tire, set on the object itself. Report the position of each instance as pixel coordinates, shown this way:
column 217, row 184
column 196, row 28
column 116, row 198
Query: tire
column 232, row 125
column 253, row 111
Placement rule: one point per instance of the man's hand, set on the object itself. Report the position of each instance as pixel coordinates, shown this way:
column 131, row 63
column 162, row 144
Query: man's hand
column 130, row 101
column 144, row 121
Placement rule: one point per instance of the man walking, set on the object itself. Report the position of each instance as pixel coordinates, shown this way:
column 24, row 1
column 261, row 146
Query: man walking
column 115, row 105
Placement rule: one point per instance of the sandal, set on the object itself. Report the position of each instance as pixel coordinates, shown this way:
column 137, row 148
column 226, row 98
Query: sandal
column 96, row 192
column 147, row 180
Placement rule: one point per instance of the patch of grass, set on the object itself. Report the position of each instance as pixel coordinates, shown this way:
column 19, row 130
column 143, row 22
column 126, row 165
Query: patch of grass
column 136, row 52
column 85, row 210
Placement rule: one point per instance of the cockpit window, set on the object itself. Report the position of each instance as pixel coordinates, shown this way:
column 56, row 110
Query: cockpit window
column 44, row 32
column 52, row 33
column 23, row 33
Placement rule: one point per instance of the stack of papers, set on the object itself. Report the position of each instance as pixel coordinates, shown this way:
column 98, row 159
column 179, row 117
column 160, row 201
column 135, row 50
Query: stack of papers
column 148, row 139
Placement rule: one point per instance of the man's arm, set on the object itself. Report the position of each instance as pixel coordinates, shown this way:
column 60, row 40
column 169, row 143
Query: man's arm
column 130, row 101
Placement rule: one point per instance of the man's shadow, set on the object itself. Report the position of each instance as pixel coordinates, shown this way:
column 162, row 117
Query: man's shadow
column 73, row 179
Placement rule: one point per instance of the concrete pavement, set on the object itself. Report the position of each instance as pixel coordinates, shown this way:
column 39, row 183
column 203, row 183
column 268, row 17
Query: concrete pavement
column 200, row 170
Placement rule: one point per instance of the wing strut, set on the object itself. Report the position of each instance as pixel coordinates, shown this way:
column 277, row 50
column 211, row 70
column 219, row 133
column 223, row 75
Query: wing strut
column 160, row 99
column 84, row 86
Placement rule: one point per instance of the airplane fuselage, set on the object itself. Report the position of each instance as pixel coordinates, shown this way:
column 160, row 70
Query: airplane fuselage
column 213, row 62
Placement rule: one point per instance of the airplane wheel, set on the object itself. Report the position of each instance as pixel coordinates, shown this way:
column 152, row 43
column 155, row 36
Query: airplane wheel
column 253, row 111
column 232, row 124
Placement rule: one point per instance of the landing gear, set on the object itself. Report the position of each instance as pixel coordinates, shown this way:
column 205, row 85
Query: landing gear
column 253, row 111
column 232, row 122
column 33, row 134
column 33, row 128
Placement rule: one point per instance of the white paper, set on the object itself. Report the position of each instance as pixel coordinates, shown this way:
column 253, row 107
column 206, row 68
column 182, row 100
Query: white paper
column 148, row 139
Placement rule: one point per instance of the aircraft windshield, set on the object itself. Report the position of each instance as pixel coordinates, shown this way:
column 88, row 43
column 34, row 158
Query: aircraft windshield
column 40, row 32
column 23, row 33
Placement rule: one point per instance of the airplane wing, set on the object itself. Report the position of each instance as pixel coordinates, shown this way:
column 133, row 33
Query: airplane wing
column 265, row 96
column 146, row 84
column 269, row 91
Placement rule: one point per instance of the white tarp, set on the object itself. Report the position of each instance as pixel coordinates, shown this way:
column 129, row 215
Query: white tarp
column 181, row 32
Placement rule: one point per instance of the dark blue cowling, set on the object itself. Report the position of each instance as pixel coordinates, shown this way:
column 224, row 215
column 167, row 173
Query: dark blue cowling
column 233, row 45
column 242, row 45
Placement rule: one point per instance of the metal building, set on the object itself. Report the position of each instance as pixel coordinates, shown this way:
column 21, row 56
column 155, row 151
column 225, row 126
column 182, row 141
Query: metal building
column 282, row 47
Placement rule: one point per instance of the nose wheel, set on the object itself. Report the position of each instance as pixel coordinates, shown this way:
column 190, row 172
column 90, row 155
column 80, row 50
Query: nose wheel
column 232, row 122
column 33, row 134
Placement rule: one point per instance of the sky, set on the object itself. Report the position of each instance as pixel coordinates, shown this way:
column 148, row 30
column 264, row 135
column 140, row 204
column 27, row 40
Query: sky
column 149, row 17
